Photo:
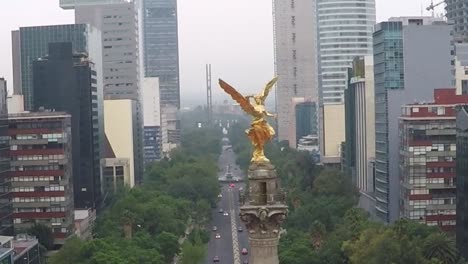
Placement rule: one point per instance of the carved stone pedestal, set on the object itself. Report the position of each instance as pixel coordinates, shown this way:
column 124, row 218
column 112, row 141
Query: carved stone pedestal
column 263, row 211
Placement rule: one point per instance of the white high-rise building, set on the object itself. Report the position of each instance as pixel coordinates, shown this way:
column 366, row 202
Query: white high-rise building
column 295, row 57
column 344, row 32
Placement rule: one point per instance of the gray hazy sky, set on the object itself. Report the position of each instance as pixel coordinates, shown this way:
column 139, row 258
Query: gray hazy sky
column 235, row 36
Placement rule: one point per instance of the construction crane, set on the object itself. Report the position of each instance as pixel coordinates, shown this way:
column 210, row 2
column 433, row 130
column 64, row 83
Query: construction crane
column 433, row 6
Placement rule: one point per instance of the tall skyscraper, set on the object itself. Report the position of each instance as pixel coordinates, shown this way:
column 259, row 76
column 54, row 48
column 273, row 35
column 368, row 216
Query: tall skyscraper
column 33, row 44
column 295, row 44
column 64, row 81
column 427, row 160
column 406, row 50
column 118, row 22
column 457, row 13
column 344, row 32
column 161, row 59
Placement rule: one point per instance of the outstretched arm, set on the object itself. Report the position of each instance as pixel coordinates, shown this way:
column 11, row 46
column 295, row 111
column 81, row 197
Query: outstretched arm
column 270, row 114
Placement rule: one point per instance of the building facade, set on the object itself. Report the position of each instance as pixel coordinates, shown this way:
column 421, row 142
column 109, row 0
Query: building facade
column 427, row 160
column 305, row 122
column 360, row 123
column 161, row 59
column 456, row 13
column 152, row 134
column 118, row 22
column 462, row 180
column 344, row 32
column 33, row 44
column 41, row 172
column 115, row 174
column 6, row 220
column 67, row 82
column 120, row 117
column 405, row 50
column 295, row 48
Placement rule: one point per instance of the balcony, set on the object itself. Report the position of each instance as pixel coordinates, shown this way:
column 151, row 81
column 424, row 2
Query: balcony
column 440, row 186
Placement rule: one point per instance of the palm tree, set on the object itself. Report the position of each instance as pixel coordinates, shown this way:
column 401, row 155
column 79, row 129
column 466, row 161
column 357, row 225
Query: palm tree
column 439, row 246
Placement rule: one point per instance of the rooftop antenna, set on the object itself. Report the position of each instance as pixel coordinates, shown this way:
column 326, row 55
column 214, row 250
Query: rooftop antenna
column 209, row 102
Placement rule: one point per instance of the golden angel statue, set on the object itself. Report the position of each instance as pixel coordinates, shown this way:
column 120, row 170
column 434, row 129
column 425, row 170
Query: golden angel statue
column 260, row 132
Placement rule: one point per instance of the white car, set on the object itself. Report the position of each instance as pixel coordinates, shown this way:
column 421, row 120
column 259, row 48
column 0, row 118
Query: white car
column 226, row 214
column 217, row 236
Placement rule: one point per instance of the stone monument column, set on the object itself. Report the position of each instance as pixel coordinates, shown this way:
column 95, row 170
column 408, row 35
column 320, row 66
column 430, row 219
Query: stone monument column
column 263, row 210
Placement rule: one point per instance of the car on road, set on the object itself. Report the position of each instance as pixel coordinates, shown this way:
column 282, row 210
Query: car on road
column 220, row 210
column 220, row 196
column 232, row 185
column 245, row 261
column 244, row 251
column 215, row 228
column 226, row 214
column 216, row 259
column 239, row 229
column 217, row 236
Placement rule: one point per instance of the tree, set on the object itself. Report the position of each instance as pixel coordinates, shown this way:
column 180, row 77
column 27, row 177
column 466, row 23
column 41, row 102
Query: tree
column 193, row 253
column 44, row 234
column 439, row 246
column 71, row 252
column 382, row 246
column 168, row 245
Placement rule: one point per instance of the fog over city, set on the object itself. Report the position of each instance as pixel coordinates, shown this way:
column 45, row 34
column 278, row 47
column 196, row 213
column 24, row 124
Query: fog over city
column 236, row 37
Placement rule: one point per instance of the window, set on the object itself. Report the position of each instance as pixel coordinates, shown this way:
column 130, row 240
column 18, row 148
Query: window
column 441, row 110
column 293, row 21
column 294, row 54
column 293, row 4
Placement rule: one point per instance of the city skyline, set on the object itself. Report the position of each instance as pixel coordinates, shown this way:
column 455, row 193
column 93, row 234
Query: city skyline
column 222, row 43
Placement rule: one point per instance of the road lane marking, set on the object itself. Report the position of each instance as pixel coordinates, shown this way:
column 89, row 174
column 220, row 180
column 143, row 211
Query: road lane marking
column 235, row 240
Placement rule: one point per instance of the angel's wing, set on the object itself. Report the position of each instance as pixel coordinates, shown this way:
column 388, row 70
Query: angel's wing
column 244, row 102
column 267, row 89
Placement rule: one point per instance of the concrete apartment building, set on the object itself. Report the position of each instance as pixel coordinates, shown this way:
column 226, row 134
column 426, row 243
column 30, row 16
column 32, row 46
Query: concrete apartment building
column 41, row 172
column 427, row 160
column 344, row 32
column 406, row 49
column 152, row 120
column 66, row 81
column 161, row 60
column 295, row 58
column 32, row 43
